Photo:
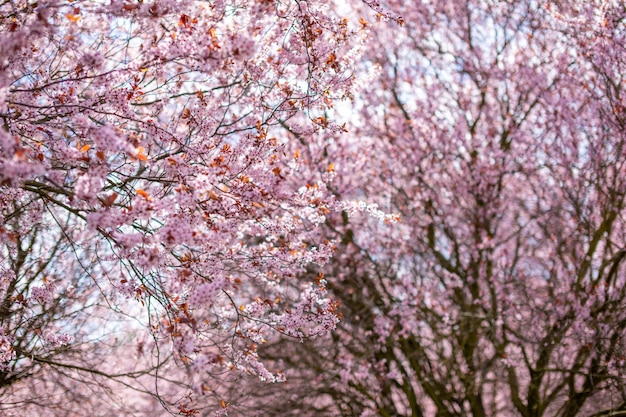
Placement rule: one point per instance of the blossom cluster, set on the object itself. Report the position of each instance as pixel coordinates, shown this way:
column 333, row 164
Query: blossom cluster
column 7, row 353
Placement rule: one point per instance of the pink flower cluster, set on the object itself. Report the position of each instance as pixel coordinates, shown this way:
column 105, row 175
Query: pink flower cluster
column 43, row 294
column 56, row 340
column 6, row 349
column 203, row 294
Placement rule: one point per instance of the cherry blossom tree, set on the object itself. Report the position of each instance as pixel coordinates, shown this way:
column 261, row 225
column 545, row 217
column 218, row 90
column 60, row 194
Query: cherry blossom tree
column 155, row 227
column 495, row 130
